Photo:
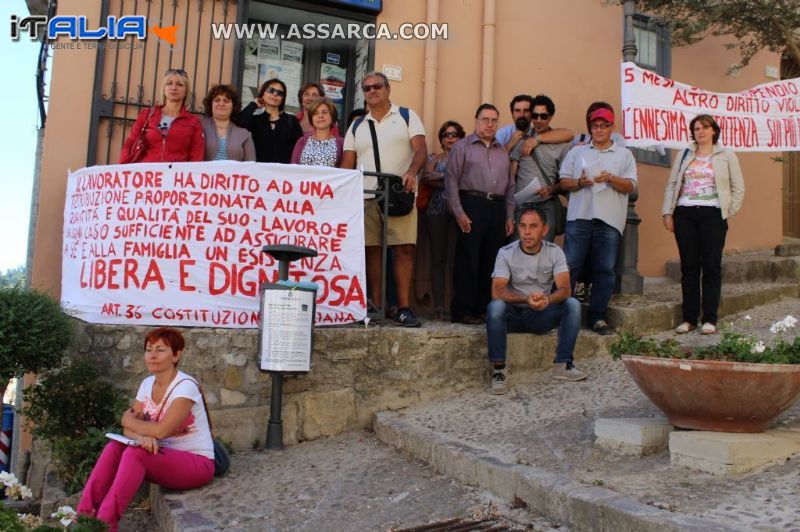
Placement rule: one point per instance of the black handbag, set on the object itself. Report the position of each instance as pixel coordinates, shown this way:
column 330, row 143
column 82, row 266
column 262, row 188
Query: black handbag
column 401, row 202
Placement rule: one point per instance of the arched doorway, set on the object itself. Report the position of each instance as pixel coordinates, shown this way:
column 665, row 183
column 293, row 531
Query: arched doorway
column 791, row 167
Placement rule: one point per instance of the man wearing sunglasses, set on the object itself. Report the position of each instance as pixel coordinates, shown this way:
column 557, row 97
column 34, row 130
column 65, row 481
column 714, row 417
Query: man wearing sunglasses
column 402, row 151
column 599, row 176
column 511, row 135
column 536, row 174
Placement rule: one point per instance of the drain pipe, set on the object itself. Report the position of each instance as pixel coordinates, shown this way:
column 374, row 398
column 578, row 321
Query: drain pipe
column 489, row 28
column 430, row 79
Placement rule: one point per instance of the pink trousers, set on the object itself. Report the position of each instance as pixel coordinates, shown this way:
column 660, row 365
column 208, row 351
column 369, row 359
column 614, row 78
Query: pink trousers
column 120, row 470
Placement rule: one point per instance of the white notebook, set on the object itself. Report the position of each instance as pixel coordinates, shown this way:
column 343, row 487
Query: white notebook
column 128, row 441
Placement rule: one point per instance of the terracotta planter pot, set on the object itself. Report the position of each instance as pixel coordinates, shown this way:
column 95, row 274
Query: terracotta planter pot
column 714, row 395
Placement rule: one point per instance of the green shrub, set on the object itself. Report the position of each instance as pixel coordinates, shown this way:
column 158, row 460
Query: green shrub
column 629, row 344
column 9, row 520
column 34, row 333
column 72, row 408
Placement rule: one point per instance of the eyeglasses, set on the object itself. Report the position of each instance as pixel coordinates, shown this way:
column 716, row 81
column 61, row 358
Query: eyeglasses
column 373, row 87
column 489, row 121
column 540, row 116
column 450, row 134
column 276, row 92
column 603, row 125
column 178, row 71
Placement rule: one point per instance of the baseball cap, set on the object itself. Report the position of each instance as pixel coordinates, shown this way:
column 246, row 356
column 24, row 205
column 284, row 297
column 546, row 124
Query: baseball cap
column 602, row 114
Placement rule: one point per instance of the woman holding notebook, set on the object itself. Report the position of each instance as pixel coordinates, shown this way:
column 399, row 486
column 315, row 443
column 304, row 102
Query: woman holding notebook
column 170, row 441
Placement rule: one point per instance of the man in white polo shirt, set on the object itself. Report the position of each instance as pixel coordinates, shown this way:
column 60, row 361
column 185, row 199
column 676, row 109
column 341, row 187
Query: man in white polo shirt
column 599, row 177
column 403, row 152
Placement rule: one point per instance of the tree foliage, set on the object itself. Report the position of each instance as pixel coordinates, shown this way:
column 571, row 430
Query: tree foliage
column 13, row 277
column 755, row 25
column 34, row 333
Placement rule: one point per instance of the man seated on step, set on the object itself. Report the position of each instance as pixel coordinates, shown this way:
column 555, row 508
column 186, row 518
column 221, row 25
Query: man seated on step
column 523, row 299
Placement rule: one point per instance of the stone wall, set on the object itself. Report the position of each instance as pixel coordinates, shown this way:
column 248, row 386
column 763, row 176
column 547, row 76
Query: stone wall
column 355, row 372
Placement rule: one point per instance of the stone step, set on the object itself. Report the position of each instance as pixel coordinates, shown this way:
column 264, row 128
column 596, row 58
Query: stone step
column 758, row 266
column 550, row 494
column 659, row 309
column 789, row 248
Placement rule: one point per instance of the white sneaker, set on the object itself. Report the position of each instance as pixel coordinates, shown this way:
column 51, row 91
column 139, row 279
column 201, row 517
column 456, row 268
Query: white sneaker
column 708, row 328
column 684, row 328
column 566, row 372
column 499, row 386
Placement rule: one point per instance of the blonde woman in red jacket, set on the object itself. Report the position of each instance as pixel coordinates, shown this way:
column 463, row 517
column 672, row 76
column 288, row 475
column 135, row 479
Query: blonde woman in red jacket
column 171, row 134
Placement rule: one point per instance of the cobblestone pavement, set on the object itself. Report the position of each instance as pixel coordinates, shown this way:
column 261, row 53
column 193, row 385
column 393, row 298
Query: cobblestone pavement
column 348, row 482
column 550, row 424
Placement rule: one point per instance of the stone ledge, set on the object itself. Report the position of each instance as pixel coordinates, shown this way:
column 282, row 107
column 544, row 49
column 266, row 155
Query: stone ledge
column 727, row 453
column 553, row 495
column 633, row 436
column 750, row 267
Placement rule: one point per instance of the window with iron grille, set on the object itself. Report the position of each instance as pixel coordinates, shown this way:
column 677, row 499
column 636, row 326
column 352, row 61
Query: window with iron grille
column 653, row 52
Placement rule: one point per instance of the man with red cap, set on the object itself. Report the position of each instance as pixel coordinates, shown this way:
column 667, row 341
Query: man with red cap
column 599, row 176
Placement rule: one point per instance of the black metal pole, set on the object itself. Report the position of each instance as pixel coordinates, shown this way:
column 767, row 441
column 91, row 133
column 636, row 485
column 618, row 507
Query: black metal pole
column 275, row 425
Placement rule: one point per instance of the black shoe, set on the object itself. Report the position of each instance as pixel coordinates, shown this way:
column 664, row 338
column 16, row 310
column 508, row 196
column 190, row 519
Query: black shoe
column 406, row 318
column 602, row 328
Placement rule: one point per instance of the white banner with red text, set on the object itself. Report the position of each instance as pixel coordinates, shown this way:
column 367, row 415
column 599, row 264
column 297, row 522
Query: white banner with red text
column 658, row 110
column 180, row 244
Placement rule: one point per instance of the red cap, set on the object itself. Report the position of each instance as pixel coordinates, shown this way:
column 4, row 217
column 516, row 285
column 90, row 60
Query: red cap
column 602, row 114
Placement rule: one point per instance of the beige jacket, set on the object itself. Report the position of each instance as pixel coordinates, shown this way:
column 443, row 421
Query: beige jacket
column 727, row 176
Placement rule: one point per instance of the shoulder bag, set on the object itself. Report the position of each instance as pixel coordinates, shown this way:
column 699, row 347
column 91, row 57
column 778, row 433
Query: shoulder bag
column 139, row 147
column 222, row 460
column 401, row 202
column 561, row 210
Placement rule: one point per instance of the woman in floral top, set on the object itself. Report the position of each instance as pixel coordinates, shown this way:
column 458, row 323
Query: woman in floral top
column 704, row 189
column 168, row 423
column 320, row 146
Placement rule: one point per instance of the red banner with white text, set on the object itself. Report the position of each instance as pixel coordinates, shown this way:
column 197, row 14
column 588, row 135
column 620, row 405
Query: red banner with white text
column 180, row 244
column 658, row 110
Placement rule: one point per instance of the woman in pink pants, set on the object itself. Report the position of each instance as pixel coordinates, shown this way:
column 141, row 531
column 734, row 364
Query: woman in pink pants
column 169, row 420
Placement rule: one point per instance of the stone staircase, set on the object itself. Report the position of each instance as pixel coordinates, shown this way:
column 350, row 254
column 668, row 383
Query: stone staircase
column 368, row 377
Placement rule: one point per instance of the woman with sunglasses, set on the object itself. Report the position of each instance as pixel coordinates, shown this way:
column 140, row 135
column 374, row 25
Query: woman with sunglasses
column 170, row 133
column 320, row 146
column 274, row 132
column 224, row 139
column 435, row 221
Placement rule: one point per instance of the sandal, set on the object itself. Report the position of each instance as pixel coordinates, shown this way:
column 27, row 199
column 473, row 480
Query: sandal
column 684, row 328
column 709, row 328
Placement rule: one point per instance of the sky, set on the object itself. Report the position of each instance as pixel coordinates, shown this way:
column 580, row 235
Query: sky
column 20, row 119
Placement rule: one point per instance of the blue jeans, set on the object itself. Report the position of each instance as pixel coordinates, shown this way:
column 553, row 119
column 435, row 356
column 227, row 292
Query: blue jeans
column 596, row 243
column 502, row 318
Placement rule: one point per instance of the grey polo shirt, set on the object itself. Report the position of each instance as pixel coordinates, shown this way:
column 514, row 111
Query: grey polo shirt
column 550, row 159
column 528, row 273
column 607, row 204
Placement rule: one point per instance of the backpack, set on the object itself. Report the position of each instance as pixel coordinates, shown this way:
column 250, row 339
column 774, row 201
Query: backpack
column 360, row 119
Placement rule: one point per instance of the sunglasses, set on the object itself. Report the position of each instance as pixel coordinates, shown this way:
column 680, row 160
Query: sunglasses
column 178, row 71
column 540, row 116
column 373, row 87
column 276, row 92
column 450, row 135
